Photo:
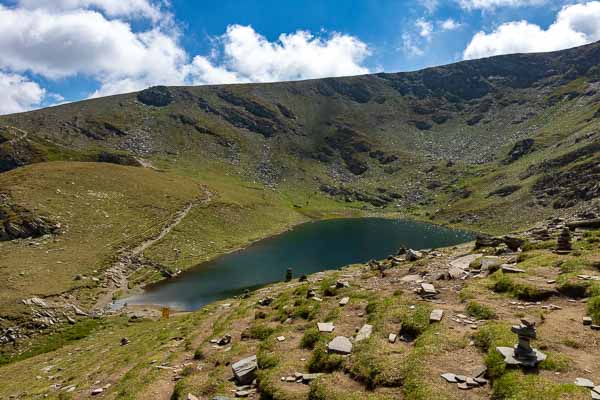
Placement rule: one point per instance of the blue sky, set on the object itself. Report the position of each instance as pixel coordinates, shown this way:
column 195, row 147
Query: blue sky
column 65, row 50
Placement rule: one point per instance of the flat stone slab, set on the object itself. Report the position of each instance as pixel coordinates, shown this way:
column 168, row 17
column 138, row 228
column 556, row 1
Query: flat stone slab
column 344, row 301
column 340, row 345
column 464, row 261
column 327, row 327
column 587, row 320
column 583, row 382
column 449, row 377
column 595, row 395
column 436, row 315
column 411, row 278
column 428, row 289
column 244, row 370
column 392, row 337
column 511, row 270
column 364, row 332
column 509, row 357
column 307, row 378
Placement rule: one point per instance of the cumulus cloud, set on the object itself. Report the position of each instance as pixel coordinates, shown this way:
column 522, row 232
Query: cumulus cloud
column 449, row 25
column 493, row 4
column 250, row 57
column 55, row 39
column 112, row 8
column 574, row 25
column 425, row 28
column 18, row 93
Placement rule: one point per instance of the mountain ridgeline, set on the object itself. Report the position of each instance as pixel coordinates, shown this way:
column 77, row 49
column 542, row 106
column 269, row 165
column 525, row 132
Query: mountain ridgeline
column 460, row 141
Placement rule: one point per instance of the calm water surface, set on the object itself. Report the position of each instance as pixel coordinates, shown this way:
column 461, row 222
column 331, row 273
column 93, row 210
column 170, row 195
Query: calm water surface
column 308, row 248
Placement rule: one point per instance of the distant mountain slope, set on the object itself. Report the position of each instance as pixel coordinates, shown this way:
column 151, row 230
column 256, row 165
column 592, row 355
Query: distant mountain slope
column 400, row 139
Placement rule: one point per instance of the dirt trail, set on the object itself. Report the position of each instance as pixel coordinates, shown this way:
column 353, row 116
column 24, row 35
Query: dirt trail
column 117, row 275
column 17, row 138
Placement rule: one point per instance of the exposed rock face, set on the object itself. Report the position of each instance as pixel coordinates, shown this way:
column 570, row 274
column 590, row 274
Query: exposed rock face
column 19, row 223
column 567, row 188
column 157, row 96
column 504, row 191
column 521, row 148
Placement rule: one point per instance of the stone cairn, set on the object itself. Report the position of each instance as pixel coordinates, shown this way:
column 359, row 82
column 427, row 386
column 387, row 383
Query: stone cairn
column 523, row 353
column 563, row 243
column 288, row 275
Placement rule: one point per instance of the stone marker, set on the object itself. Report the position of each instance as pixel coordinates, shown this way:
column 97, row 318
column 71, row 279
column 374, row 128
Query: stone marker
column 563, row 243
column 523, row 353
column 587, row 320
column 392, row 338
column 344, row 301
column 436, row 315
column 364, row 332
column 340, row 345
column 244, row 371
column 325, row 327
column 583, row 382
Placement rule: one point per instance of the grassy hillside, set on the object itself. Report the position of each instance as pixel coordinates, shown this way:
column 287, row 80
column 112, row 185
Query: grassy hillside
column 100, row 197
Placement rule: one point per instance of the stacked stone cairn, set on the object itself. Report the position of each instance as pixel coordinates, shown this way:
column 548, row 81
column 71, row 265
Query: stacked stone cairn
column 563, row 244
column 523, row 354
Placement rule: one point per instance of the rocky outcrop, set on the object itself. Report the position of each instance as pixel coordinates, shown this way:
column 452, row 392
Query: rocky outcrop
column 565, row 189
column 18, row 223
column 157, row 96
column 521, row 148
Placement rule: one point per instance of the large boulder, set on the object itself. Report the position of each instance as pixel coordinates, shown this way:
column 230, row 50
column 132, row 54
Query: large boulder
column 244, row 371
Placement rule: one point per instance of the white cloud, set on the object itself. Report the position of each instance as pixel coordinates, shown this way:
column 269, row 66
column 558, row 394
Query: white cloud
column 493, row 4
column 67, row 41
column 575, row 25
column 410, row 45
column 250, row 57
column 430, row 5
column 18, row 93
column 449, row 25
column 424, row 27
column 112, row 8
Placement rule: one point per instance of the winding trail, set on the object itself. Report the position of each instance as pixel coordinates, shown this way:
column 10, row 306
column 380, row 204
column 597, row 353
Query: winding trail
column 117, row 275
column 17, row 138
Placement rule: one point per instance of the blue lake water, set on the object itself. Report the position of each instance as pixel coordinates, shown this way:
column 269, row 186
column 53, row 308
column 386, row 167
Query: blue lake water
column 307, row 248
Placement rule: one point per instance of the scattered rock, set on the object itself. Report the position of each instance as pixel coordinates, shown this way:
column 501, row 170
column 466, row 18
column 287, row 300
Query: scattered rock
column 587, row 320
column 449, row 377
column 344, row 301
column 436, row 315
column 392, row 337
column 325, row 327
column 244, row 371
column 340, row 345
column 191, row 397
column 280, row 338
column 225, row 340
column 413, row 255
column 364, row 332
column 124, row 341
column 583, row 382
column 428, row 290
